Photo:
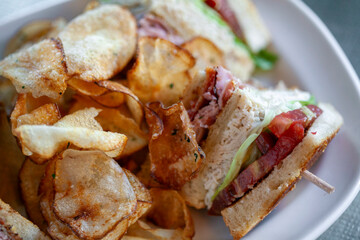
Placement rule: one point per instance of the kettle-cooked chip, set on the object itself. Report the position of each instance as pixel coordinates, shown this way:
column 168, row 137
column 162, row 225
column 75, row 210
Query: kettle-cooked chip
column 112, row 120
column 34, row 32
column 168, row 218
column 15, row 226
column 99, row 42
column 92, row 193
column 132, row 100
column 30, row 176
column 205, row 53
column 161, row 71
column 27, row 112
column 40, row 69
column 174, row 153
column 143, row 197
column 79, row 128
column 86, row 88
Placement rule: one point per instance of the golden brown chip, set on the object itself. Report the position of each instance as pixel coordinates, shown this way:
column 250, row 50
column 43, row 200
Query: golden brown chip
column 132, row 100
column 110, row 99
column 161, row 71
column 86, row 88
column 174, row 153
column 34, row 32
column 169, row 211
column 143, row 197
column 92, row 193
column 14, row 226
column 99, row 42
column 27, row 112
column 56, row 229
column 112, row 120
column 145, row 176
column 30, row 176
column 79, row 129
column 205, row 52
column 40, row 69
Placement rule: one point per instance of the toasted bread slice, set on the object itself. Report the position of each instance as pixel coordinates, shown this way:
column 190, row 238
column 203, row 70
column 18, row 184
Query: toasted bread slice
column 260, row 201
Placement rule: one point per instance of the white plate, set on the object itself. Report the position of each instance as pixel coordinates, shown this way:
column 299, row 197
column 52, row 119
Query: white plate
column 311, row 59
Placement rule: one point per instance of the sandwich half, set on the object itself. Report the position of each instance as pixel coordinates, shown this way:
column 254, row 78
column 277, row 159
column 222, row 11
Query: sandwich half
column 182, row 20
column 257, row 145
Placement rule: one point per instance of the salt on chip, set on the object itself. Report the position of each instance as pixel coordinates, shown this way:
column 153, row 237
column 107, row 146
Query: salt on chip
column 174, row 153
column 161, row 71
column 92, row 193
column 99, row 42
column 205, row 53
column 40, row 69
column 79, row 129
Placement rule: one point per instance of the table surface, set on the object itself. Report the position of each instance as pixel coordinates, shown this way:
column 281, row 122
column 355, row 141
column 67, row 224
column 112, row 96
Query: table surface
column 343, row 20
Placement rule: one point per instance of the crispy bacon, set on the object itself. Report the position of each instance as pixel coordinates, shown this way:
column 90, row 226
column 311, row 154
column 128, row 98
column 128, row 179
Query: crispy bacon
column 213, row 96
column 257, row 170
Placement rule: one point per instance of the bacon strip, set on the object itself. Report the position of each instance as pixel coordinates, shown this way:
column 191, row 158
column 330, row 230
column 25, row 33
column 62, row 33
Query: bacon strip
column 213, row 96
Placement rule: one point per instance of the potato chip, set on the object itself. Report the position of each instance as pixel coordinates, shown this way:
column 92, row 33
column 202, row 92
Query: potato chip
column 99, row 42
column 110, row 99
column 168, row 218
column 30, row 176
column 132, row 100
column 169, row 211
column 40, row 69
column 15, row 226
column 161, row 71
column 56, row 229
column 86, row 88
column 10, row 164
column 79, row 129
column 34, row 32
column 143, row 197
column 92, row 193
column 174, row 153
column 145, row 175
column 205, row 53
column 112, row 120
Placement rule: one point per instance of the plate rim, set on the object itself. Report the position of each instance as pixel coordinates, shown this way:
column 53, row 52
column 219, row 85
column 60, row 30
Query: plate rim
column 335, row 46
column 323, row 30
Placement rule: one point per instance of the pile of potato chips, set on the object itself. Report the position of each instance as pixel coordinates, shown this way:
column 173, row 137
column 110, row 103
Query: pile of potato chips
column 98, row 117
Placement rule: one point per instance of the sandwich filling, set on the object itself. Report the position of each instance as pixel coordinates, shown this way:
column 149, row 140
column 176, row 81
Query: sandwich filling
column 274, row 144
column 225, row 11
column 213, row 96
column 153, row 26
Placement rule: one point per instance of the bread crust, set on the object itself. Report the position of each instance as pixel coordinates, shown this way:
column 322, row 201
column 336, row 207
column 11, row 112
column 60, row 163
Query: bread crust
column 246, row 213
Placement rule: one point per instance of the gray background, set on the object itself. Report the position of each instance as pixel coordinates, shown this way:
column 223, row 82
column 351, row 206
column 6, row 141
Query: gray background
column 342, row 17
